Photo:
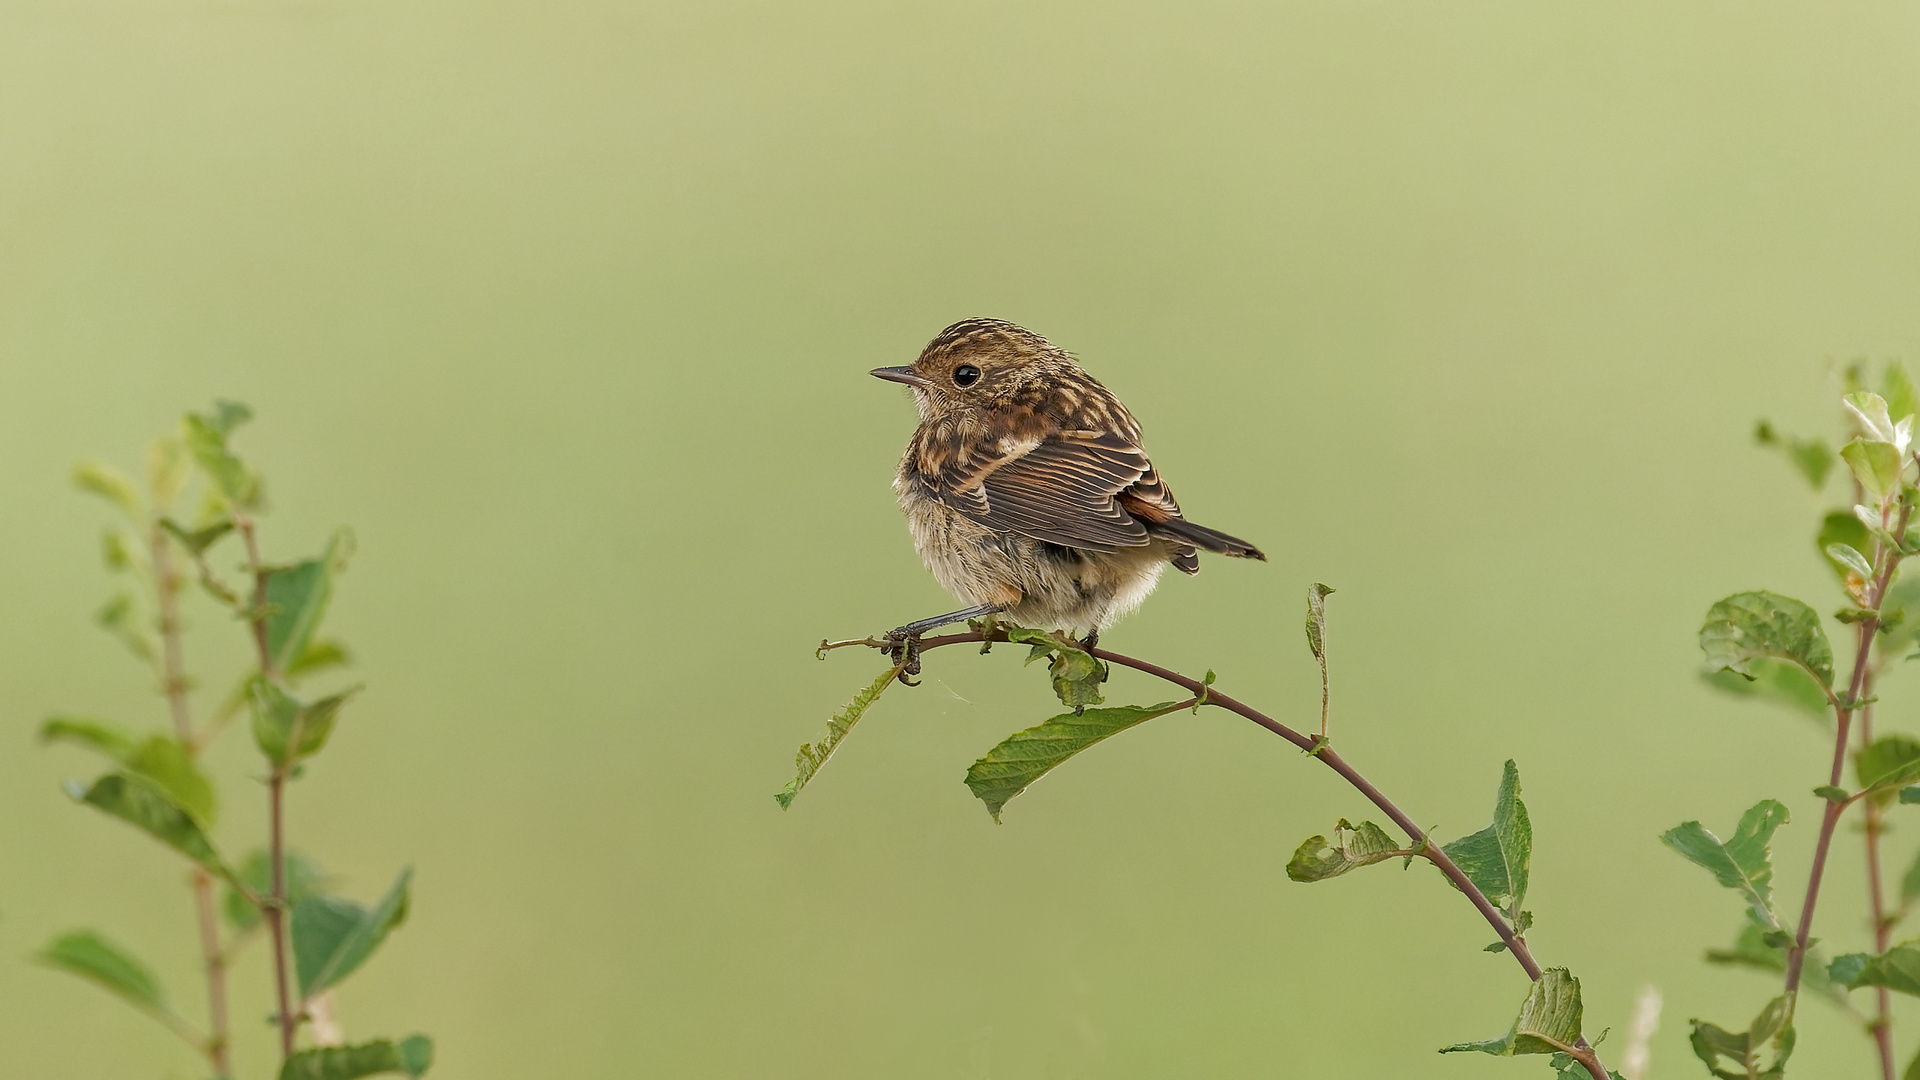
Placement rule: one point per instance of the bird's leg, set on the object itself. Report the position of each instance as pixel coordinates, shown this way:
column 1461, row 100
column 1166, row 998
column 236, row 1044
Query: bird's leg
column 906, row 639
column 1092, row 639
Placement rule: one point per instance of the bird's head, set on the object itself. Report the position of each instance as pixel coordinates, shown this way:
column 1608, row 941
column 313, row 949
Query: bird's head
column 982, row 364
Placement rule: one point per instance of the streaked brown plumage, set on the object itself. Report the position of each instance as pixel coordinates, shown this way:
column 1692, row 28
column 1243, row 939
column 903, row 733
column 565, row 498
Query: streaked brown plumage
column 1027, row 489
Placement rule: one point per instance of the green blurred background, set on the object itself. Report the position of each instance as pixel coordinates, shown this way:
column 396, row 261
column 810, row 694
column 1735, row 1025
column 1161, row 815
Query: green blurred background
column 566, row 308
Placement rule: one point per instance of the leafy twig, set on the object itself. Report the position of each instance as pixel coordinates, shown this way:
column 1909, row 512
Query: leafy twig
column 1318, row 749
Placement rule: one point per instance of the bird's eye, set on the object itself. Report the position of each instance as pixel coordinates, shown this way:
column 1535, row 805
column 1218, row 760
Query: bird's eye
column 966, row 375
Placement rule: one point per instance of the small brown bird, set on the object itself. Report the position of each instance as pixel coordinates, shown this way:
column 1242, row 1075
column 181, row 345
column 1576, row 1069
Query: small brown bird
column 1027, row 490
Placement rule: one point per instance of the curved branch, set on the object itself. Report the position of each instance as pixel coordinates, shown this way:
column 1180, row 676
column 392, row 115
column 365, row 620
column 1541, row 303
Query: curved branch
column 1318, row 750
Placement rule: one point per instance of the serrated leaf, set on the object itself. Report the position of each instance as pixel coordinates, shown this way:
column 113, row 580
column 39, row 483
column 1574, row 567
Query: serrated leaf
column 1743, row 863
column 1549, row 1020
column 1896, row 969
column 287, row 729
column 1496, row 858
column 92, row 957
column 1749, row 625
column 334, row 936
column 111, row 484
column 813, row 756
column 1875, row 463
column 143, row 804
column 411, row 1056
column 304, row 878
column 1024, row 757
column 1352, row 846
column 1845, row 556
column 107, row 738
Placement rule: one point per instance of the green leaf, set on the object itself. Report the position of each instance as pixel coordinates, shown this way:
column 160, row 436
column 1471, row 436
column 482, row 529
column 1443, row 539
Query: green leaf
column 287, row 729
column 1495, row 859
column 1810, row 457
column 411, row 1056
column 206, row 439
column 110, row 739
column 1752, row 950
column 813, row 756
column 1841, row 527
column 167, row 763
column 1076, row 674
column 1317, row 620
column 1025, row 756
column 1746, row 626
column 1886, row 759
column 333, row 936
column 146, row 806
column 101, row 962
column 318, row 656
column 1743, row 863
column 1910, row 884
column 1870, row 410
column 1896, row 969
column 1352, row 846
column 1845, row 556
column 1900, row 615
column 1875, row 463
column 111, row 484
column 197, row 541
column 297, row 598
column 1549, row 1020
column 120, row 617
column 1567, row 1067
column 1776, row 681
column 1712, row 1043
column 304, row 878
column 1897, row 387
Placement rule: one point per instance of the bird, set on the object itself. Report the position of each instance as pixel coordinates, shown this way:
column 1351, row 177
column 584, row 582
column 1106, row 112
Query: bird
column 1027, row 491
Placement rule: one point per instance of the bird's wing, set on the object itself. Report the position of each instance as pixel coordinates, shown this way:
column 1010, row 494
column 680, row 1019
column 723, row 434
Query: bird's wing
column 1094, row 493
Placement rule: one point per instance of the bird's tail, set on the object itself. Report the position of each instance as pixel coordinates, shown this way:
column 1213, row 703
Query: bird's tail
column 1206, row 539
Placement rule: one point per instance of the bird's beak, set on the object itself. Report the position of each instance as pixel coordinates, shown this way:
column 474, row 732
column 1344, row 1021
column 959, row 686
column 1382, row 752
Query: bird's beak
column 901, row 375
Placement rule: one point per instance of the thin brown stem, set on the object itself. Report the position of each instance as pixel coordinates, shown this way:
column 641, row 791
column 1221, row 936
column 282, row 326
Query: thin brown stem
column 1432, row 852
column 1887, row 560
column 275, row 907
column 173, row 680
column 1882, row 1024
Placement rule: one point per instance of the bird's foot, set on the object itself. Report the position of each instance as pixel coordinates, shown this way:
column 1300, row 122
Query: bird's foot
column 904, row 648
column 1092, row 639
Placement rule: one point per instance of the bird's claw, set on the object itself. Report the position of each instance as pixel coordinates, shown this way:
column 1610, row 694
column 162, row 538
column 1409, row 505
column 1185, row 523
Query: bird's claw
column 904, row 648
